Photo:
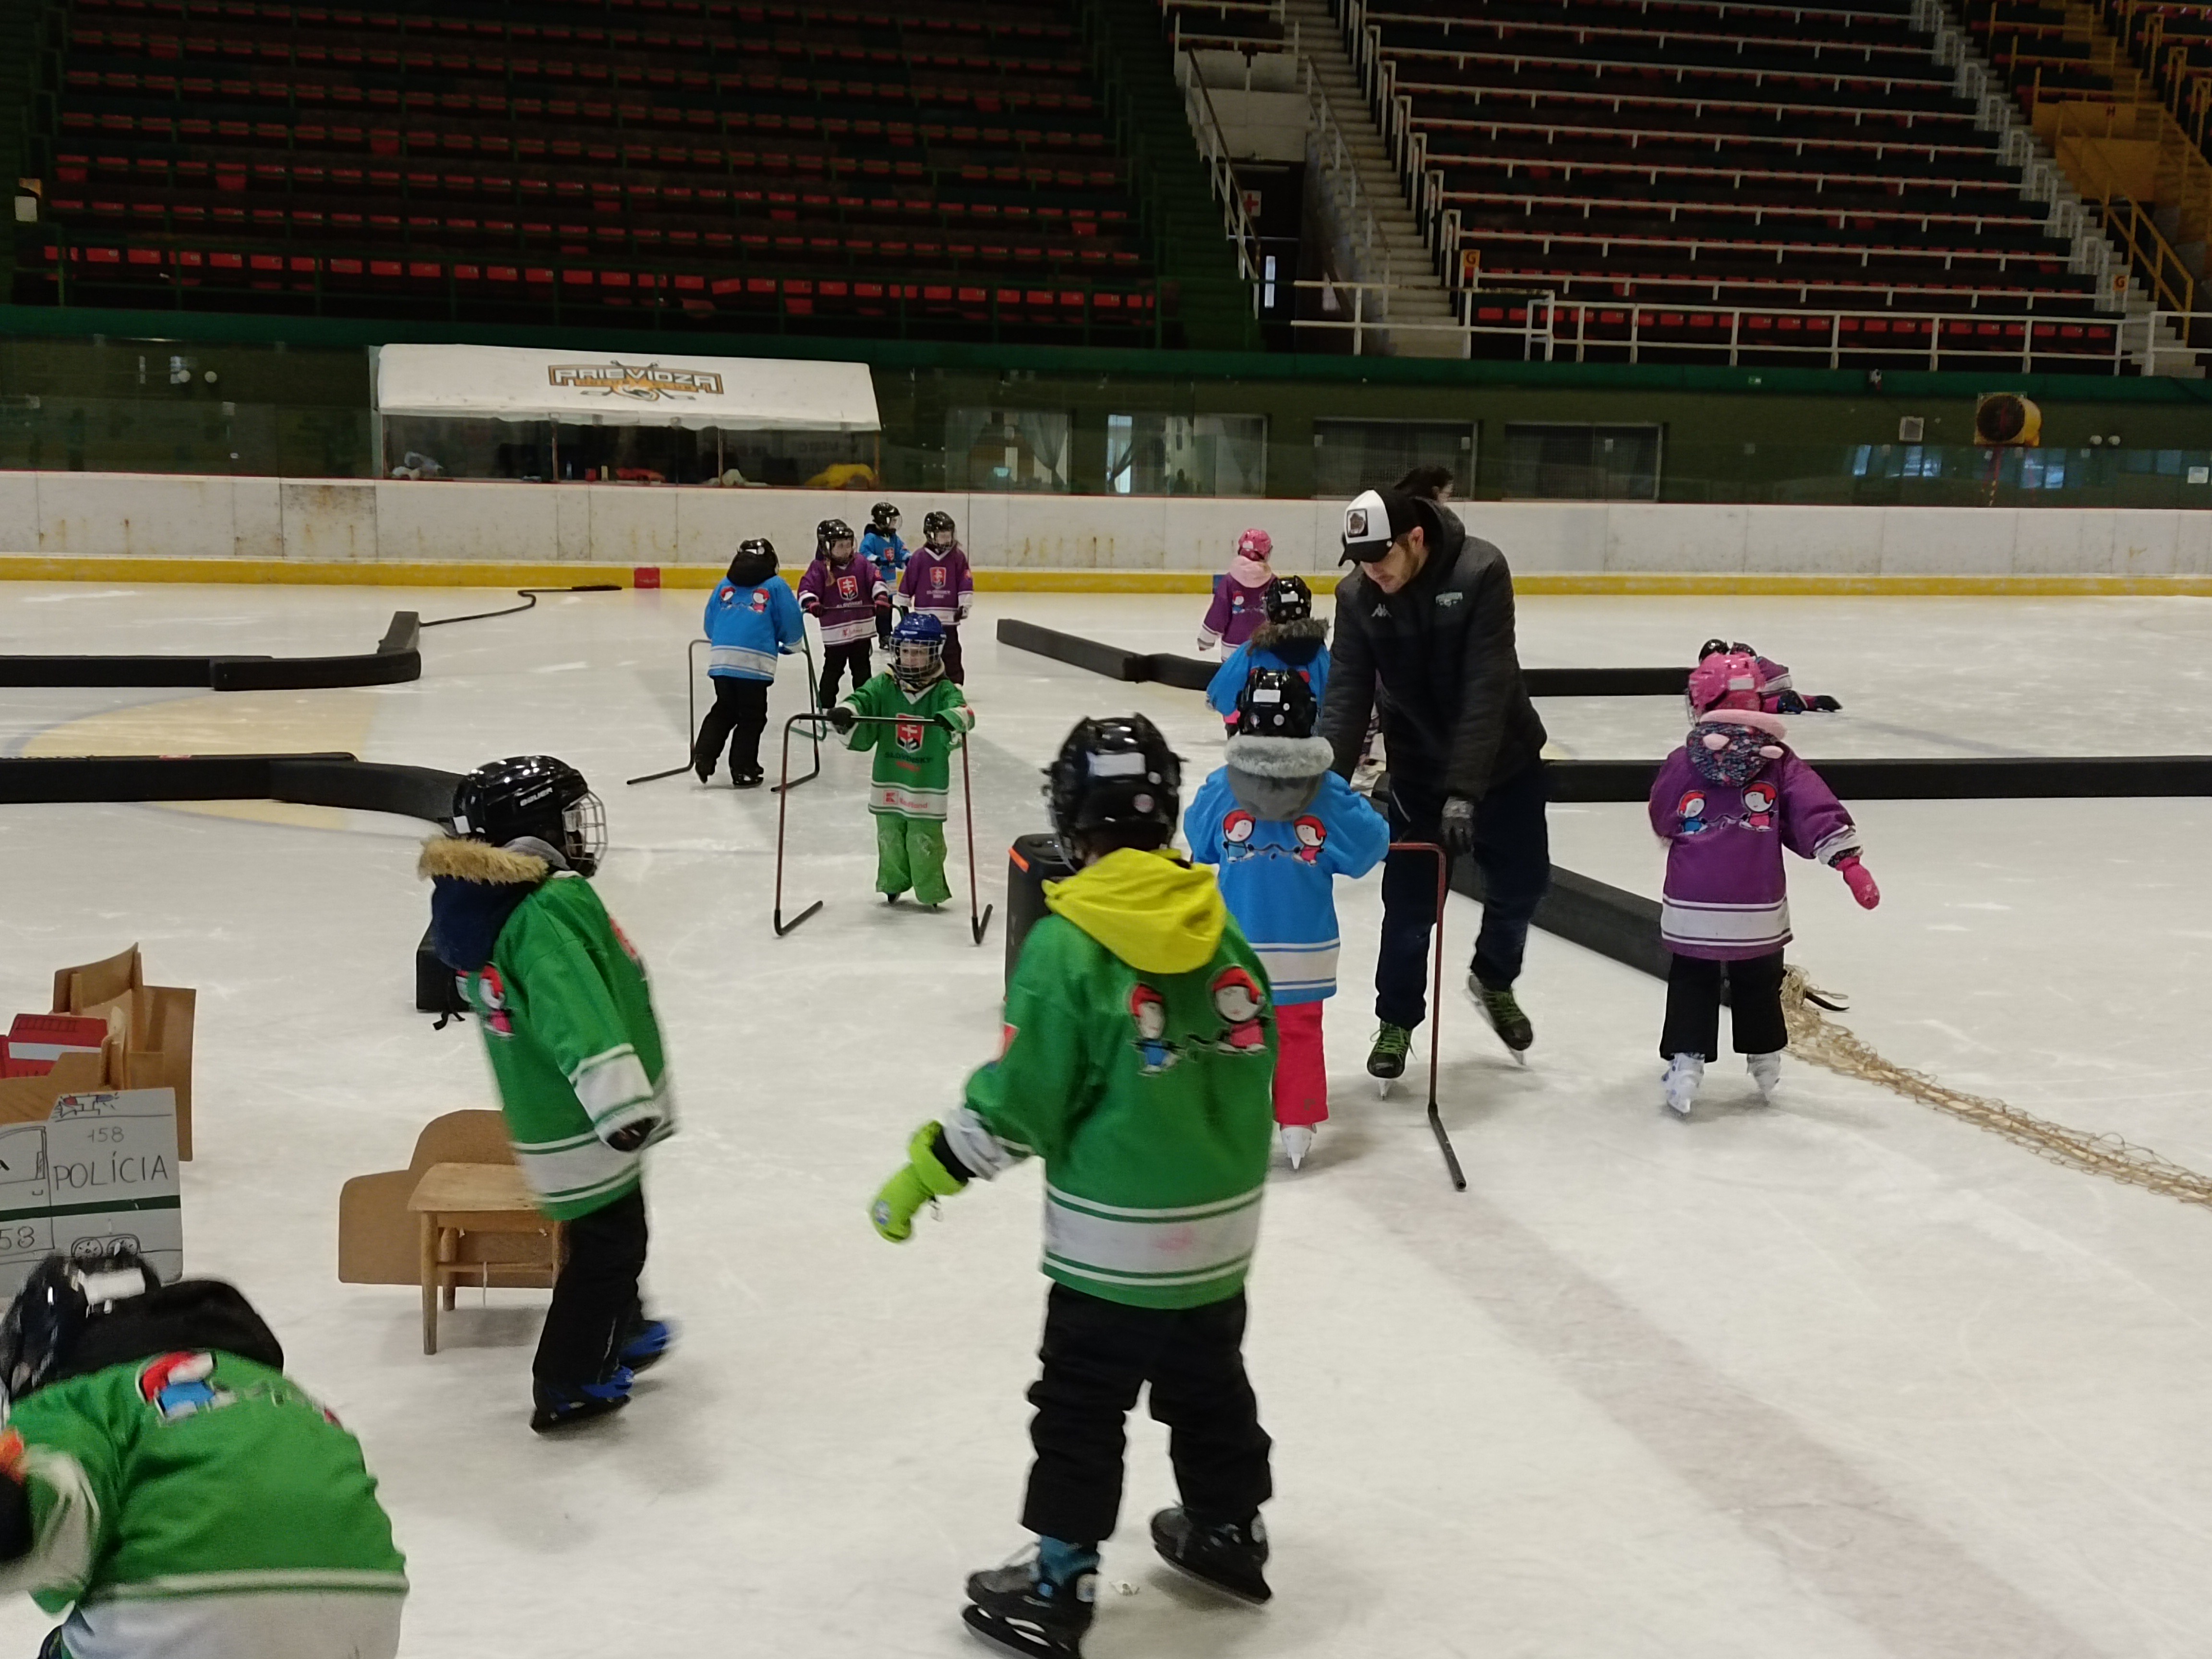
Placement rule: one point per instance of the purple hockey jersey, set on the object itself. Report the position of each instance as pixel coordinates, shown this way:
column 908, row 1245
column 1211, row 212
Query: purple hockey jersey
column 938, row 584
column 1726, row 896
column 842, row 599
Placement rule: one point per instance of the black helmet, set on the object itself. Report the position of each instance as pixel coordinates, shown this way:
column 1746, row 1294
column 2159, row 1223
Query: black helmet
column 1276, row 702
column 502, row 801
column 1289, row 600
column 933, row 522
column 62, row 1297
column 829, row 533
column 882, row 514
column 755, row 562
column 1115, row 773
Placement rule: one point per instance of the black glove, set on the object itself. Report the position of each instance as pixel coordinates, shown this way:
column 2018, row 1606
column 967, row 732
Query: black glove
column 1823, row 705
column 631, row 1136
column 1457, row 826
column 842, row 717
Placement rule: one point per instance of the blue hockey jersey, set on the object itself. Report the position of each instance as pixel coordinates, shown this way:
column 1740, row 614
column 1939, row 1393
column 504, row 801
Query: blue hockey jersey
column 748, row 627
column 1282, row 826
column 886, row 553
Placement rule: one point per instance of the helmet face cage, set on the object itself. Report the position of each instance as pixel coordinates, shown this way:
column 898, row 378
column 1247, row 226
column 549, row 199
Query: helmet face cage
column 917, row 650
column 50, row 1313
column 584, row 833
column 535, row 796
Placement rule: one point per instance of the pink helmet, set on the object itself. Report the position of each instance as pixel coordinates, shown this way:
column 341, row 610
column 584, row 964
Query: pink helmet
column 1724, row 680
column 1255, row 545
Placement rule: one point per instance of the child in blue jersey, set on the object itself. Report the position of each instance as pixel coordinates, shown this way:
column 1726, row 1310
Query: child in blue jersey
column 1282, row 826
column 1291, row 638
column 752, row 619
column 882, row 548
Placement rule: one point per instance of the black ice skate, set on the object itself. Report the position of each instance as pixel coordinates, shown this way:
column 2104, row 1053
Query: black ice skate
column 1222, row 1554
column 562, row 1405
column 1502, row 1013
column 1386, row 1061
column 1016, row 1608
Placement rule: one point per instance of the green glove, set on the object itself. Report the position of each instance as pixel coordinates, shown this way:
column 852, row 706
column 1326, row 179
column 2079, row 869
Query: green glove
column 923, row 1177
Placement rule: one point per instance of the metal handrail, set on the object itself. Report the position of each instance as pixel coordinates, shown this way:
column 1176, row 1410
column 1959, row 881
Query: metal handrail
column 1221, row 177
column 1340, row 173
column 2147, row 248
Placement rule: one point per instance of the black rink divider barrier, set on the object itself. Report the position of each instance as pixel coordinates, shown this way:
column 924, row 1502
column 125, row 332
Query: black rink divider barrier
column 2054, row 777
column 398, row 658
column 327, row 779
column 1196, row 673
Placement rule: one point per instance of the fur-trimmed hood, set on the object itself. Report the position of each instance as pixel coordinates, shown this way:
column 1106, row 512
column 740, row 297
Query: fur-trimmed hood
column 1296, row 642
column 475, row 888
column 1277, row 778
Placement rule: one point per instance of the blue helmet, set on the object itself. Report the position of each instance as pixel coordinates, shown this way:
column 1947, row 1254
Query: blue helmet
column 917, row 628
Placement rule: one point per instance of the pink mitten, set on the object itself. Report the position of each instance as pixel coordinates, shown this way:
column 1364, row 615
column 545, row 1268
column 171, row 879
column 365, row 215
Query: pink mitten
column 1859, row 879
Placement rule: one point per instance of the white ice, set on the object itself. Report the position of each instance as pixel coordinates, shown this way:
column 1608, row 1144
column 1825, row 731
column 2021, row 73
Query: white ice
column 1840, row 1380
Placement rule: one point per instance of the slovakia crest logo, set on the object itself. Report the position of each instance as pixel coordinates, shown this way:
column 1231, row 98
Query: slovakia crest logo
column 908, row 733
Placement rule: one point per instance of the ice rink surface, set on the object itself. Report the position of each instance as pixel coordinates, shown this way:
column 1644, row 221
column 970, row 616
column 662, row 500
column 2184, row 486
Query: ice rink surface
column 1838, row 1380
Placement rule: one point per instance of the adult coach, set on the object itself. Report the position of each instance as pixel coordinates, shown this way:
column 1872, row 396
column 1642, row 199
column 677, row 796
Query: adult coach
column 1425, row 619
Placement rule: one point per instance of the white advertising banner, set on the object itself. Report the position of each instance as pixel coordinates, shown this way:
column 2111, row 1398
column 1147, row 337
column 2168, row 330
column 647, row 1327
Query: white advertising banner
column 512, row 383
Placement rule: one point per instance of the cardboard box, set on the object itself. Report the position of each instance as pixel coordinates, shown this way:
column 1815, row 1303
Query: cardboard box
column 100, row 1166
column 157, row 1046
column 49, row 1036
column 29, row 1097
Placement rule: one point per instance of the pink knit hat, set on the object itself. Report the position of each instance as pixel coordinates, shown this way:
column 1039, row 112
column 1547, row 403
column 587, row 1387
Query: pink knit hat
column 1250, row 567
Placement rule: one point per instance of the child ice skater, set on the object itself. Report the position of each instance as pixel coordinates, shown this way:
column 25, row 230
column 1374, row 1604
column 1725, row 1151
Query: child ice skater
column 843, row 594
column 1239, row 604
column 937, row 583
column 160, row 1473
column 1139, row 1042
column 1291, row 638
column 882, row 548
column 1726, row 803
column 1282, row 826
column 1777, row 692
column 913, row 774
column 752, row 618
column 567, row 1023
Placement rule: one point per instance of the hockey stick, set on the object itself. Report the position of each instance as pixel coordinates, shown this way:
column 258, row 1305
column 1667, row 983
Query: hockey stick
column 691, row 709
column 529, row 602
column 1437, row 1006
column 814, row 708
column 976, row 925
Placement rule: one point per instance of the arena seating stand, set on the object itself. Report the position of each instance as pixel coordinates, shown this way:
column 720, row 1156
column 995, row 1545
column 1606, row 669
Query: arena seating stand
column 941, row 172
column 1708, row 180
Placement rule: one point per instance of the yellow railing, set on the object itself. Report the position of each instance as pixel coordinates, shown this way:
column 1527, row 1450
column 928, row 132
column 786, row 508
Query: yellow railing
column 2147, row 250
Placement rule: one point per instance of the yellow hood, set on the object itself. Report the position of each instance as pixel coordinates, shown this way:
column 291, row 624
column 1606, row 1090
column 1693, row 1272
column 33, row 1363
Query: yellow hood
column 1157, row 914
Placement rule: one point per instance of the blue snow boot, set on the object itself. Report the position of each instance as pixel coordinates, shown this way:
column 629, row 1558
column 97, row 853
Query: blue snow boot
column 647, row 1344
column 561, row 1404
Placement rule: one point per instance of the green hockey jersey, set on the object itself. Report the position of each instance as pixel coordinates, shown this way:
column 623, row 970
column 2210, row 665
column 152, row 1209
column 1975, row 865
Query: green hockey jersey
column 198, row 1505
column 567, row 1018
column 1138, row 1060
column 913, row 773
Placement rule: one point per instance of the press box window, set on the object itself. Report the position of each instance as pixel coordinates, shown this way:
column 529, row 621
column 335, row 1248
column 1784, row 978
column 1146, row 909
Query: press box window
column 1562, row 462
column 1186, row 454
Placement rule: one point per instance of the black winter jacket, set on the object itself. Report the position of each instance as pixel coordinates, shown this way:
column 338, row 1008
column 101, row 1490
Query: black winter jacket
column 1454, row 712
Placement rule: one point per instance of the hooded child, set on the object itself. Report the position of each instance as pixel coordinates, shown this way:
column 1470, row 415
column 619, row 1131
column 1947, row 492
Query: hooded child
column 1138, row 1039
column 752, row 618
column 914, row 714
column 1239, row 604
column 847, row 600
column 1727, row 803
column 937, row 583
column 1291, row 638
column 1282, row 826
column 569, row 1026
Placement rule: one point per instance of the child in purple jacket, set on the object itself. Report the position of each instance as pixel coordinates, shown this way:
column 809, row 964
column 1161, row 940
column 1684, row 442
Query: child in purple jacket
column 844, row 594
column 937, row 583
column 1240, row 594
column 1726, row 804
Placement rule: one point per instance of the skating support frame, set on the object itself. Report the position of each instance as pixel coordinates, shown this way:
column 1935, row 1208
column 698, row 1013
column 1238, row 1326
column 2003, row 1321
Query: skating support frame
column 691, row 703
column 979, row 919
column 784, row 785
column 1437, row 1004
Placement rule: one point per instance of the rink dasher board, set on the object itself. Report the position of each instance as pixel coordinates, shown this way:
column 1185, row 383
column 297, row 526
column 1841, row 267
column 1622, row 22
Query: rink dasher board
column 1978, row 777
column 98, row 1169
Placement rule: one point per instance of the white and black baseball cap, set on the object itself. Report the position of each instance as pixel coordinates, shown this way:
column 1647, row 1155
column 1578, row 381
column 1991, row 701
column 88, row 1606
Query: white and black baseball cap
column 1378, row 518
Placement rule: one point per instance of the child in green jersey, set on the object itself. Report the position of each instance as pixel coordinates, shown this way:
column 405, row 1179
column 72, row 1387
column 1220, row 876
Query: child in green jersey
column 913, row 774
column 1138, row 1055
column 567, row 1023
column 161, row 1474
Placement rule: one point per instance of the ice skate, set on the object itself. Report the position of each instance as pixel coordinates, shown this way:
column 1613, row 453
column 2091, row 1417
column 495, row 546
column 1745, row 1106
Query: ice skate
column 1017, row 1608
column 645, row 1345
column 752, row 778
column 1502, row 1013
column 1225, row 1555
column 1386, row 1061
column 1680, row 1088
column 704, row 769
column 1298, row 1141
column 561, row 1405
column 1766, row 1071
